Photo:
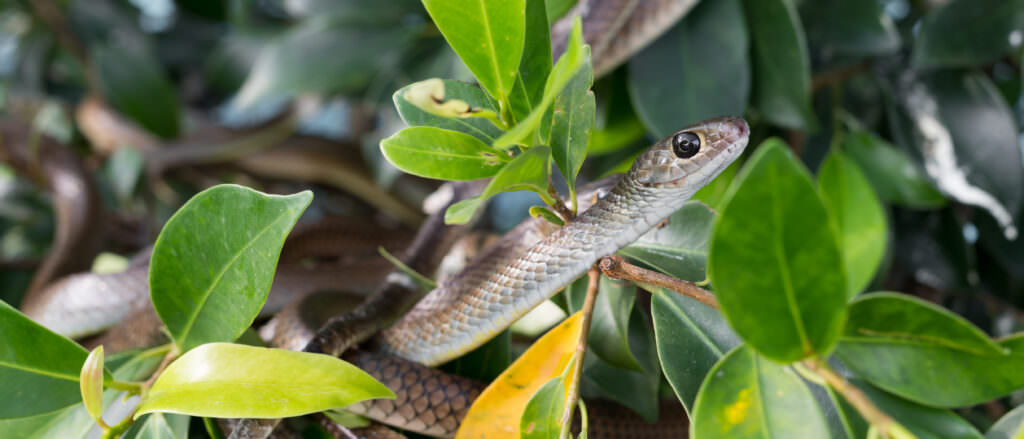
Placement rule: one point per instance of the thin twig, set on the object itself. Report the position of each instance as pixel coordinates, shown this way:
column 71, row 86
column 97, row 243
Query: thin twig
column 871, row 413
column 581, row 349
column 616, row 267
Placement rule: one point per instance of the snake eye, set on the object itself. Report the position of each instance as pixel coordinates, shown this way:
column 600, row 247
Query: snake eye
column 685, row 144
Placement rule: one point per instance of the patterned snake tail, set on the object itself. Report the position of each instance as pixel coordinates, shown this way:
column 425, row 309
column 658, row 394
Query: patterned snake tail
column 491, row 293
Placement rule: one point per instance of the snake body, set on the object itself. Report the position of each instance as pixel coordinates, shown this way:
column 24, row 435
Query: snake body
column 496, row 290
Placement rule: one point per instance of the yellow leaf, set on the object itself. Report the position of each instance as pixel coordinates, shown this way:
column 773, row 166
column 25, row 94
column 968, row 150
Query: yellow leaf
column 496, row 413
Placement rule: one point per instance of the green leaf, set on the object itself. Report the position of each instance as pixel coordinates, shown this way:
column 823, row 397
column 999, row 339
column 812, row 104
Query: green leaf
column 91, row 382
column 851, row 202
column 38, row 369
column 214, row 261
column 488, row 37
column 1010, row 426
column 698, row 69
column 443, row 154
column 782, row 68
column 576, row 53
column 691, row 337
column 486, row 362
column 773, row 252
column 159, row 426
column 348, row 56
column 477, row 127
column 528, row 171
column 134, row 83
column 637, row 391
column 926, row 354
column 235, row 381
column 895, row 177
column 536, row 62
column 746, row 396
column 940, row 41
column 544, row 411
column 571, row 123
column 849, row 28
column 609, row 327
column 679, row 248
column 924, row 422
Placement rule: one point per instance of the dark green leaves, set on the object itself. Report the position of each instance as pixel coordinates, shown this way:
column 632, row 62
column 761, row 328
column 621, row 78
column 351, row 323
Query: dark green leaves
column 214, row 261
column 773, row 228
column 680, row 247
column 927, row 354
column 849, row 28
column 438, row 153
column 38, row 369
column 347, row 58
column 782, row 69
column 747, row 396
column 691, row 337
column 895, row 178
column 923, row 421
column 536, row 62
column 234, row 381
column 698, row 69
column 135, row 84
column 862, row 228
column 487, row 35
column 990, row 24
column 544, row 411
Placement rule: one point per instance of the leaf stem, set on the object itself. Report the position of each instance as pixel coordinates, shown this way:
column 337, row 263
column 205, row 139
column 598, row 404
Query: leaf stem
column 115, row 431
column 132, row 387
column 616, row 267
column 885, row 425
column 573, row 393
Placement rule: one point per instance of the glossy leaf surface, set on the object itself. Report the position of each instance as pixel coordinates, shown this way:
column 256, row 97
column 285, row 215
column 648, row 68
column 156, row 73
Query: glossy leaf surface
column 927, row 354
column 924, row 422
column 544, row 411
column 782, row 68
column 214, row 261
column 851, row 202
column 487, row 36
column 748, row 396
column 692, row 338
column 535, row 64
column 771, row 230
column 528, row 171
column 443, row 154
column 477, row 127
column 237, row 381
column 38, row 368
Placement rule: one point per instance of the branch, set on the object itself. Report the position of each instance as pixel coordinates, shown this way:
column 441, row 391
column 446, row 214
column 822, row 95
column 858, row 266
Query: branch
column 616, row 267
column 871, row 413
column 581, row 349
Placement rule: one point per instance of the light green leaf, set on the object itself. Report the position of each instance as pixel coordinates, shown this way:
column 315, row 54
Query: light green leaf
column 528, row 171
column 680, row 247
column 544, row 411
column 691, row 338
column 487, row 35
column 746, row 396
column 214, row 261
column 471, row 94
column 576, row 53
column 443, row 154
column 39, row 369
column 1010, row 426
column 536, row 62
column 782, row 67
column 851, row 202
column 773, row 252
column 235, row 381
column 91, row 382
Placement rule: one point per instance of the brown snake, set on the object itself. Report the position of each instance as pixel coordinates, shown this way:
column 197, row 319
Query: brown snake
column 621, row 38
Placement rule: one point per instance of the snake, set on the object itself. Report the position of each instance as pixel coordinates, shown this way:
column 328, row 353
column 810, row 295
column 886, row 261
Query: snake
column 503, row 284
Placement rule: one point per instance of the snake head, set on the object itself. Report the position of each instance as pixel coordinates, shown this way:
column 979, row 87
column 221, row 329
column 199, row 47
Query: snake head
column 695, row 154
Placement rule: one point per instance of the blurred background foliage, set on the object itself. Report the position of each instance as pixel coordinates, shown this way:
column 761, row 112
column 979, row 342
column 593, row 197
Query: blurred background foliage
column 925, row 95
